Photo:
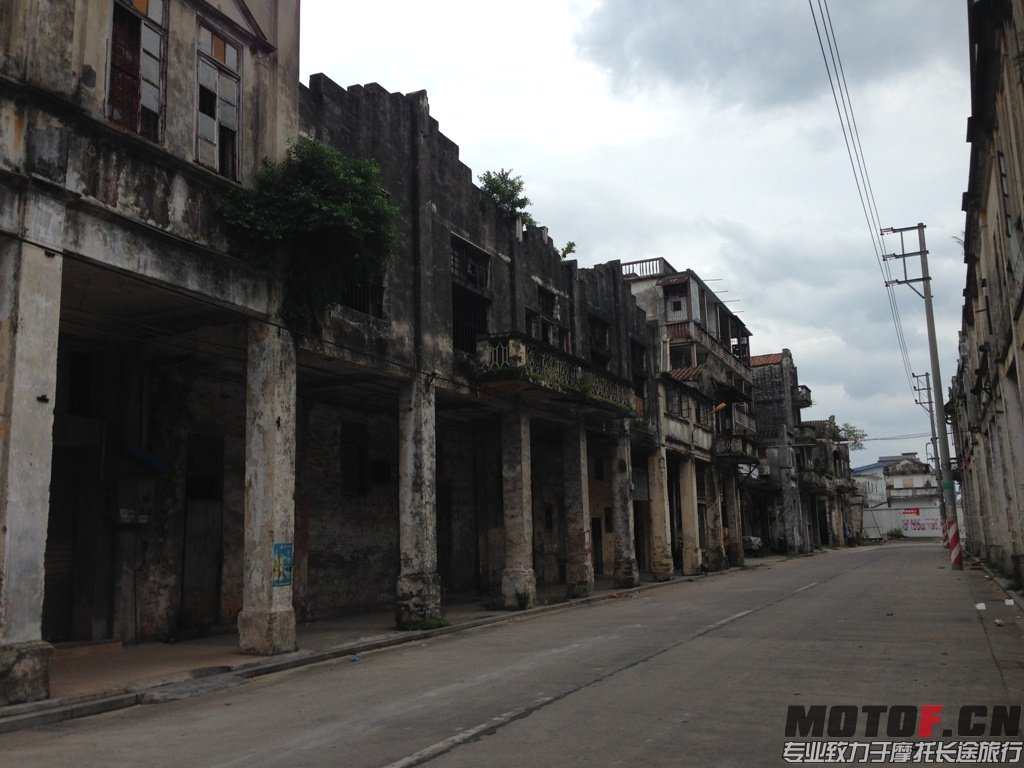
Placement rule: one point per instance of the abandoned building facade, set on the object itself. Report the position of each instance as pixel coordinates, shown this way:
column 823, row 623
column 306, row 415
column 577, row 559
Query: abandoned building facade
column 985, row 403
column 486, row 419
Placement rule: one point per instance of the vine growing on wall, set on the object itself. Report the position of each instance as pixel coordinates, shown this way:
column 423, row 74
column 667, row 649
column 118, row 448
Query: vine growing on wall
column 319, row 218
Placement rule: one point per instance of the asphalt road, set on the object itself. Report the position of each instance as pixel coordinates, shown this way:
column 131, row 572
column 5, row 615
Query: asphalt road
column 694, row 673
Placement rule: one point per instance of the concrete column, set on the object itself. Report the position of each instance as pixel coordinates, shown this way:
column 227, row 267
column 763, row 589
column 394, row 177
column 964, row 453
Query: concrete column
column 266, row 623
column 627, row 574
column 690, row 532
column 30, row 285
column 661, row 525
column 579, row 576
column 518, row 582
column 732, row 518
column 418, row 592
column 792, row 509
column 716, row 536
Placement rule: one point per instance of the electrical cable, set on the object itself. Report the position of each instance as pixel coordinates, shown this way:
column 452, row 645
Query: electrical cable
column 855, row 152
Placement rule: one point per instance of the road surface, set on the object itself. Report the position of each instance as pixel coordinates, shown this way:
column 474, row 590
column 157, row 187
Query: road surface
column 692, row 673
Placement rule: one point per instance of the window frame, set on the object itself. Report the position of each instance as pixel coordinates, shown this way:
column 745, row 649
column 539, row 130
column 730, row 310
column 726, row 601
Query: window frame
column 151, row 18
column 224, row 71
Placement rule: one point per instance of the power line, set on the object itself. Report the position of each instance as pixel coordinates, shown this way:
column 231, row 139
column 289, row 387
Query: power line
column 855, row 152
column 899, row 437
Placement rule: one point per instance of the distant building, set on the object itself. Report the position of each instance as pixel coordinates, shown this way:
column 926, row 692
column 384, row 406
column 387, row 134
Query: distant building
column 707, row 346
column 778, row 515
column 826, row 485
column 900, row 494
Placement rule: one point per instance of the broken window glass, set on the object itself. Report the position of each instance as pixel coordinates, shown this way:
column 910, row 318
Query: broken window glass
column 136, row 66
column 218, row 102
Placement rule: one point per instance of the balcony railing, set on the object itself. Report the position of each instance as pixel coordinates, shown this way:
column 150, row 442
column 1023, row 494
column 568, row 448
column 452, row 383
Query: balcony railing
column 691, row 330
column 554, row 371
column 742, row 422
column 647, row 268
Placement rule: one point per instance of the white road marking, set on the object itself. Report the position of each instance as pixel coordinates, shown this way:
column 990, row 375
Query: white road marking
column 462, row 737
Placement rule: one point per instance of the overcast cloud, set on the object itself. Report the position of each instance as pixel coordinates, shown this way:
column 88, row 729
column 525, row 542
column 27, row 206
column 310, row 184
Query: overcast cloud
column 705, row 133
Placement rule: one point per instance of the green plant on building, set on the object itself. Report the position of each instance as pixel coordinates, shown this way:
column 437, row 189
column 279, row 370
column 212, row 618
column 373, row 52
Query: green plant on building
column 319, row 219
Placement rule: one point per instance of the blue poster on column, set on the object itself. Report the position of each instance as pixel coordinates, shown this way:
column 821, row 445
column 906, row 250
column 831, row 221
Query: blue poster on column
column 282, row 565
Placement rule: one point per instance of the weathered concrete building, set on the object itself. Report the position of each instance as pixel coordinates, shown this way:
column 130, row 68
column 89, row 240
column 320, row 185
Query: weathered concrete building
column 778, row 515
column 900, row 494
column 481, row 419
column 176, row 459
column 826, row 483
column 988, row 389
column 532, row 378
column 706, row 346
column 144, row 481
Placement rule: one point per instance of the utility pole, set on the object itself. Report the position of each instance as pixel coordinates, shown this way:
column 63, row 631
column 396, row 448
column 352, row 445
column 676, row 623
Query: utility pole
column 939, row 417
column 924, row 399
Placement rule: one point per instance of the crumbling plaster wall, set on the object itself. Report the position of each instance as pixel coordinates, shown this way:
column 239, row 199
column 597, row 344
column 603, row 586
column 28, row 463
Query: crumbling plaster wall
column 468, row 473
column 352, row 536
column 148, row 580
column 549, row 544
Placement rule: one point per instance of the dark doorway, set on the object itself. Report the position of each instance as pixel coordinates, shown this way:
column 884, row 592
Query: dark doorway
column 597, row 545
column 203, row 537
column 77, row 563
column 641, row 534
column 444, row 535
column 65, row 508
column 675, row 512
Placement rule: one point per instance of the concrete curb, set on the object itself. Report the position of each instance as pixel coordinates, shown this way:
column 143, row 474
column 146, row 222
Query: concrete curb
column 999, row 581
column 205, row 680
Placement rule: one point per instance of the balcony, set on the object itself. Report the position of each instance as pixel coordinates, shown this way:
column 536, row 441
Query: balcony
column 692, row 331
column 736, row 449
column 802, row 396
column 513, row 364
column 912, row 493
column 742, row 423
column 637, row 270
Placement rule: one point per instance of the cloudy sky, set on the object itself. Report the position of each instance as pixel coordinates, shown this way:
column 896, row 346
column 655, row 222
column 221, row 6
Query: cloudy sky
column 706, row 133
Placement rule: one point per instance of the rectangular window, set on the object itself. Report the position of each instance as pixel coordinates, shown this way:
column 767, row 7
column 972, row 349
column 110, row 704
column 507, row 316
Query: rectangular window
column 598, row 334
column 218, row 100
column 469, row 264
column 547, row 303
column 469, row 318
column 136, row 71
column 675, row 302
column 549, row 326
column 1006, row 192
column 364, row 292
column 674, row 402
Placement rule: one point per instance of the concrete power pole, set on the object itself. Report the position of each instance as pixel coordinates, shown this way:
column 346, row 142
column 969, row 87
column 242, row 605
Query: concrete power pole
column 924, row 399
column 939, row 418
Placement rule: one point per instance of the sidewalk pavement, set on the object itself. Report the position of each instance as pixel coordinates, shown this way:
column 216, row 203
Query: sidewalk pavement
column 95, row 678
